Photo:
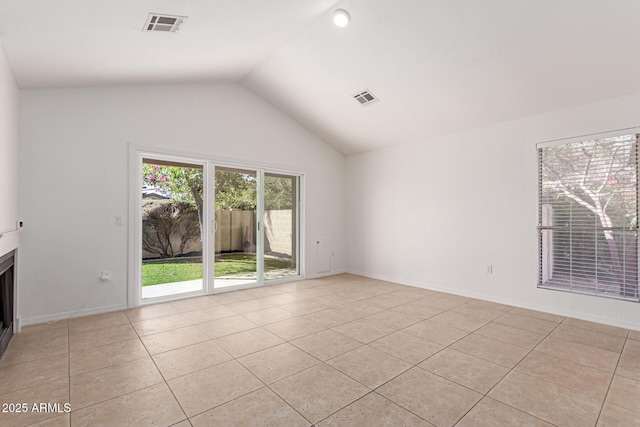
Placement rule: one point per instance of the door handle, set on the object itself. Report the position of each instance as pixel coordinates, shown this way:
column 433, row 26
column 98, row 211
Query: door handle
column 214, row 225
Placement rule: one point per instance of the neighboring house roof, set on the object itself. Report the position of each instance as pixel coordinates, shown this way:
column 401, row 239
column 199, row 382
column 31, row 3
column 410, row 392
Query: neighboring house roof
column 154, row 193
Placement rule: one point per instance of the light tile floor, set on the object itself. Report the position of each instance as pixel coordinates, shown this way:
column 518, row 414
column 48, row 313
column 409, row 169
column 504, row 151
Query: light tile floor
column 338, row 351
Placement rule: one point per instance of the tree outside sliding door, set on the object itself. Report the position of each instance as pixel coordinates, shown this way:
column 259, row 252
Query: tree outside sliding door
column 201, row 226
column 172, row 224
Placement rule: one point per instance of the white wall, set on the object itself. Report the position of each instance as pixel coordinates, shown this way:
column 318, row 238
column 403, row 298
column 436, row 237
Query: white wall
column 8, row 155
column 437, row 212
column 73, row 173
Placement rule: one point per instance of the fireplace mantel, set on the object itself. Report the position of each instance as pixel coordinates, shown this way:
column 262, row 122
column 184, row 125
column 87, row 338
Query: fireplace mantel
column 9, row 241
column 7, row 299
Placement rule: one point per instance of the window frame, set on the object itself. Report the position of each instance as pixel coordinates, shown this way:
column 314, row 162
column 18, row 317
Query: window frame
column 542, row 228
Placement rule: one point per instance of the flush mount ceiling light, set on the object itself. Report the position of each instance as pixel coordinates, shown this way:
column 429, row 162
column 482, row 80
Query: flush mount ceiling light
column 341, row 18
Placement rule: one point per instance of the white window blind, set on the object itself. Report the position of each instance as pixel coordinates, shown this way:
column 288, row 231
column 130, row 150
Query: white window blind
column 588, row 216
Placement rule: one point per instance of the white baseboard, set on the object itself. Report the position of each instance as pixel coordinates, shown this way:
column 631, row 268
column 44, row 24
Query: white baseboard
column 326, row 273
column 515, row 303
column 26, row 321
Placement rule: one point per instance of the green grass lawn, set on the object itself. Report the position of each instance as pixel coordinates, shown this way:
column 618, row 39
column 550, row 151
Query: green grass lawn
column 176, row 270
column 170, row 271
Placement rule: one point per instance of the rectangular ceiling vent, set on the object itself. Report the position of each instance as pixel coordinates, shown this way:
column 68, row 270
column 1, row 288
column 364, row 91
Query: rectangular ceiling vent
column 365, row 98
column 163, row 23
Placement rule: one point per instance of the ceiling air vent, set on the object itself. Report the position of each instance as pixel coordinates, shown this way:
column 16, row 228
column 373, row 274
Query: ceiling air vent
column 163, row 23
column 365, row 98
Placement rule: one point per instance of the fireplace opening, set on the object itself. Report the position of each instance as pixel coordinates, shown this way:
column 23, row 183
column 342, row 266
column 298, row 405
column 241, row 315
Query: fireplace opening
column 6, row 300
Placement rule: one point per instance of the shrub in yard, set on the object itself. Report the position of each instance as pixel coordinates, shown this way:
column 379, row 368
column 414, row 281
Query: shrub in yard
column 169, row 226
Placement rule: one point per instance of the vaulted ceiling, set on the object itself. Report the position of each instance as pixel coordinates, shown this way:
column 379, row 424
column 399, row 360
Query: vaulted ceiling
column 437, row 66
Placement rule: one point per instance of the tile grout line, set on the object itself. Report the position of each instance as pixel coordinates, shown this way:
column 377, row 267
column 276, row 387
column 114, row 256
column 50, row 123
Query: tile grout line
column 311, row 299
column 373, row 391
column 235, row 398
column 486, row 395
column 394, row 377
column 441, row 350
column 321, row 362
column 237, row 360
column 110, row 366
column 613, row 376
column 416, row 366
column 126, row 394
column 166, row 383
column 148, row 355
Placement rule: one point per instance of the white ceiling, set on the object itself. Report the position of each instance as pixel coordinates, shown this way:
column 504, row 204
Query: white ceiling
column 62, row 43
column 437, row 66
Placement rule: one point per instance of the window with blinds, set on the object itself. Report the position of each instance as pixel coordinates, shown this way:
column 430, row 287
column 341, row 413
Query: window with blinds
column 588, row 216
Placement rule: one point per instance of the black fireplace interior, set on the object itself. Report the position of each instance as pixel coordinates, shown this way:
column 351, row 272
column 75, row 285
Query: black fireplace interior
column 6, row 300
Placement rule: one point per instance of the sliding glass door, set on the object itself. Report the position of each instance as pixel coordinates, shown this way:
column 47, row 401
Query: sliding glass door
column 203, row 226
column 172, row 228
column 280, row 219
column 236, row 226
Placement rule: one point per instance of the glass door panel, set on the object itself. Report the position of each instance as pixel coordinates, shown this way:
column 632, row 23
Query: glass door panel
column 280, row 226
column 172, row 212
column 235, row 225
